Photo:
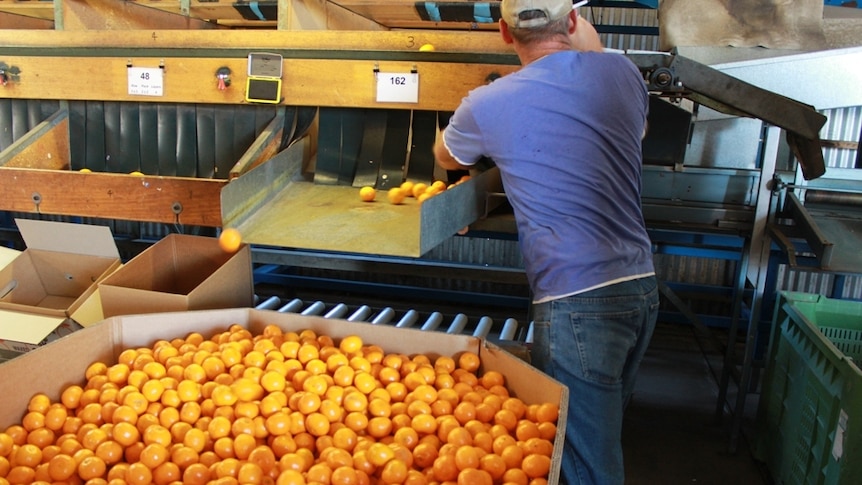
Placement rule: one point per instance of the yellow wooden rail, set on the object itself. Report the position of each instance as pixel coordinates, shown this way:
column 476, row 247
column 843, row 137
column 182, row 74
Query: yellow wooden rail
column 94, row 65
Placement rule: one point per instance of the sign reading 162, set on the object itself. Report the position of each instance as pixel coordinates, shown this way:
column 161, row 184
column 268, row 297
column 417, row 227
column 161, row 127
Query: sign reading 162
column 396, row 87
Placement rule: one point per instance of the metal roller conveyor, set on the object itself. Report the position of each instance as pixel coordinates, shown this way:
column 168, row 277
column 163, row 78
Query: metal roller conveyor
column 830, row 222
column 843, row 199
column 505, row 336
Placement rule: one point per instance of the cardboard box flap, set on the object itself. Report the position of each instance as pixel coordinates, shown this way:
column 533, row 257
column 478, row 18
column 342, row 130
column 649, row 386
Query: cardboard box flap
column 66, row 237
column 7, row 255
column 28, row 328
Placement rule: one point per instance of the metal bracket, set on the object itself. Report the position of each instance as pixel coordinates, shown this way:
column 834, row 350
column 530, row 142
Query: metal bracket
column 672, row 75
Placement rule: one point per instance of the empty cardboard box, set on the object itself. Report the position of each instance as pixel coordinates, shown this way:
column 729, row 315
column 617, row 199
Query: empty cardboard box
column 179, row 273
column 47, row 290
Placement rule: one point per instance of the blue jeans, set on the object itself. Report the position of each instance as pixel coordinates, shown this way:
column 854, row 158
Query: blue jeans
column 593, row 343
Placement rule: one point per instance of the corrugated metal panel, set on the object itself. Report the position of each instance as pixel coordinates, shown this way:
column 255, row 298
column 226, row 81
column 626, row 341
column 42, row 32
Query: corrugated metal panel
column 822, row 283
column 694, row 270
column 625, row 17
column 842, row 124
column 483, row 251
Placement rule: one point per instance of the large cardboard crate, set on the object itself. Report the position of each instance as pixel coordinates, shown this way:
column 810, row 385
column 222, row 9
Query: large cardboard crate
column 180, row 272
column 53, row 367
column 50, row 289
column 809, row 423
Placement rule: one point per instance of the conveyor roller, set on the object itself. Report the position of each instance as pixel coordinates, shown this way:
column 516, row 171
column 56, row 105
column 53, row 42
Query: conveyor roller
column 509, row 335
column 846, row 199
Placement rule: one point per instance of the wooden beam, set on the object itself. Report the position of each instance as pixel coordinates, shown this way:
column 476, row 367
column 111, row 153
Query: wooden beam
column 45, row 146
column 40, row 10
column 170, row 200
column 13, row 20
column 206, row 10
column 247, row 40
column 264, row 147
column 402, row 14
column 307, row 82
column 114, row 15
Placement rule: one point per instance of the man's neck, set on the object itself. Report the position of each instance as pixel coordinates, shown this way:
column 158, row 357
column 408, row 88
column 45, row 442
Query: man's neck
column 533, row 52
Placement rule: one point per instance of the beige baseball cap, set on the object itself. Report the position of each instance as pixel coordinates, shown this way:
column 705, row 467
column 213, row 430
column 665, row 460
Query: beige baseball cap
column 512, row 11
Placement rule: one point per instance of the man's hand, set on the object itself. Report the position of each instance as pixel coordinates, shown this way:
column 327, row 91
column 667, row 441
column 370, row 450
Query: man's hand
column 445, row 159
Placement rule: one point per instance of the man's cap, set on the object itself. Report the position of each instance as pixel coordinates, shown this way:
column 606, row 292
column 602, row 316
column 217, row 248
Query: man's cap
column 513, row 12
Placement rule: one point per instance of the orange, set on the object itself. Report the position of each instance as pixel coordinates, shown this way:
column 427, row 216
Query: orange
column 516, row 406
column 196, row 474
column 317, row 424
column 91, row 467
column 28, row 455
column 396, row 195
column 469, row 361
column 350, row 344
column 547, row 413
column 466, row 457
column 424, row 455
column 547, row 431
column 230, row 240
column 536, row 466
column 419, row 189
column 513, row 455
column 166, row 473
column 407, row 187
column 491, row 378
column 71, row 396
column 290, row 477
column 507, row 419
column 526, row 429
column 367, row 194
column 537, row 446
column 61, row 467
column 110, row 452
column 154, row 455
column 394, row 471
column 243, row 444
column 444, row 468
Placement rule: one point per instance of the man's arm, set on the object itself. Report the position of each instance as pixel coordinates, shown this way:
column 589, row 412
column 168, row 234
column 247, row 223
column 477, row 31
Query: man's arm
column 445, row 159
column 585, row 38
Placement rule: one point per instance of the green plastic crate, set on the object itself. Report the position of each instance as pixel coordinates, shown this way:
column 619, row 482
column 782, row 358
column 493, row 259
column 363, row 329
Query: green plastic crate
column 809, row 422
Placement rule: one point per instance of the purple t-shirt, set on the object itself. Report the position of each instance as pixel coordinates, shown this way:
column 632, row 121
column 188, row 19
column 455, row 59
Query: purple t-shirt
column 565, row 132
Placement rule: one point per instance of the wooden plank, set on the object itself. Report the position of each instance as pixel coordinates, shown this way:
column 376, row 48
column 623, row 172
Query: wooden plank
column 249, row 40
column 114, row 15
column 402, row 14
column 192, row 80
column 45, row 146
column 112, row 196
column 205, row 10
column 13, row 20
column 264, row 147
column 39, row 10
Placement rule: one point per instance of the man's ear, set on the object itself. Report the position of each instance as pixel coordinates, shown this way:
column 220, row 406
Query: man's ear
column 504, row 31
column 573, row 21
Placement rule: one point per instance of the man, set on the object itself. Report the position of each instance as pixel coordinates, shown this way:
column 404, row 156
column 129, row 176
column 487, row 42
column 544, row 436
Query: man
column 565, row 132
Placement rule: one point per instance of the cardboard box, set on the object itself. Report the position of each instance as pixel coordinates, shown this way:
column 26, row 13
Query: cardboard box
column 178, row 273
column 50, row 288
column 7, row 255
column 63, row 362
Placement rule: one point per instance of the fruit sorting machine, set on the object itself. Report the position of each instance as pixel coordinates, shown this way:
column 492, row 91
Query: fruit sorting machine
column 289, row 178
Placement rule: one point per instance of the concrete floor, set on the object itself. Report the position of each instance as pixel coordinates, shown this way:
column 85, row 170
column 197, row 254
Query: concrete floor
column 670, row 433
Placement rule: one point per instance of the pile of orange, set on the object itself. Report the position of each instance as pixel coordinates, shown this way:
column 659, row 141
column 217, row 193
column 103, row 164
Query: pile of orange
column 418, row 190
column 281, row 408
